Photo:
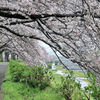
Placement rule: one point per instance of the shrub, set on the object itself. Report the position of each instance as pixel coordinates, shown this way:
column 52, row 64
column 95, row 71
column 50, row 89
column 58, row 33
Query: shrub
column 56, row 62
column 16, row 69
column 94, row 88
column 34, row 76
column 69, row 87
column 49, row 65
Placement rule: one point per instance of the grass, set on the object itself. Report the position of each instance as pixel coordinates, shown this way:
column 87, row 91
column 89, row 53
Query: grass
column 58, row 65
column 57, row 79
column 21, row 91
column 17, row 91
column 86, row 80
column 53, row 71
column 77, row 74
column 76, row 94
column 48, row 94
column 59, row 68
column 1, row 62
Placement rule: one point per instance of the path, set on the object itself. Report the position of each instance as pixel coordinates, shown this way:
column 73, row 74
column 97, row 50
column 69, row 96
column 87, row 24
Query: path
column 3, row 67
column 77, row 79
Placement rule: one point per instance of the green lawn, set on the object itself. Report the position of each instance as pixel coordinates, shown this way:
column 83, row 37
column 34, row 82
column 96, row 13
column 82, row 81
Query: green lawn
column 53, row 71
column 57, row 79
column 1, row 62
column 58, row 65
column 77, row 74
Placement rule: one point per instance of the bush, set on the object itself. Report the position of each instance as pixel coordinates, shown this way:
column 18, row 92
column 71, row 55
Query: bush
column 16, row 69
column 34, row 76
column 93, row 89
column 49, row 65
column 56, row 62
column 70, row 89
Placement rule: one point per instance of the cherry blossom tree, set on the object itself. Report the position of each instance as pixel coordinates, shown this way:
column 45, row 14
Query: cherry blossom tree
column 71, row 27
column 27, row 49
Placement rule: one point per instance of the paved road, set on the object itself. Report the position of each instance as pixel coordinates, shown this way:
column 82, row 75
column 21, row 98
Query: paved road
column 3, row 68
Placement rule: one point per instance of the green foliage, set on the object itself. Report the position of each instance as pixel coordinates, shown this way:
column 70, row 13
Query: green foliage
column 1, row 62
column 56, row 62
column 22, row 91
column 34, row 76
column 40, row 78
column 60, row 66
column 16, row 69
column 57, row 80
column 68, row 86
column 93, row 89
column 70, row 89
column 49, row 65
column 77, row 74
column 49, row 94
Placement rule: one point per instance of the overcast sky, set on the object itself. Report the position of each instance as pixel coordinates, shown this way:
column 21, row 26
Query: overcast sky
column 48, row 49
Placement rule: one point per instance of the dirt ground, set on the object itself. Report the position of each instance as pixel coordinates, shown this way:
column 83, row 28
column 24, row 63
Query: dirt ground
column 3, row 68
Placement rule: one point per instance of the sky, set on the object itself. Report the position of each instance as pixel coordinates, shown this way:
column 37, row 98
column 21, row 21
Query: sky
column 48, row 49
